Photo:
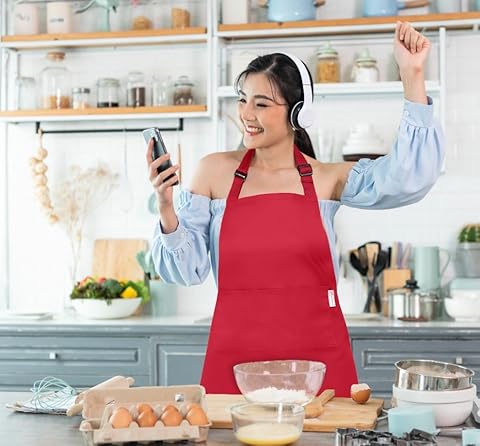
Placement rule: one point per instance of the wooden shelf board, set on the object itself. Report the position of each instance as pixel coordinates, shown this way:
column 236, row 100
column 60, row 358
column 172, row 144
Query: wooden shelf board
column 170, row 32
column 347, row 22
column 69, row 112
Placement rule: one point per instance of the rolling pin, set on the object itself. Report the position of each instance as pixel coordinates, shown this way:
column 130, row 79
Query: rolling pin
column 315, row 408
column 117, row 382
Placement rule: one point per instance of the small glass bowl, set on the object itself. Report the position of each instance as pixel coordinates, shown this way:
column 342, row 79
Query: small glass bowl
column 272, row 424
column 283, row 381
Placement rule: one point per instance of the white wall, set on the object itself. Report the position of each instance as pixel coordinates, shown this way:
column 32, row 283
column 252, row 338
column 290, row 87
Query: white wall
column 38, row 251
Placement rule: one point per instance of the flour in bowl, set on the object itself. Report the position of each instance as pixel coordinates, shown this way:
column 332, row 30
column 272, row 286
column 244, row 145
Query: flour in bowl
column 274, row 395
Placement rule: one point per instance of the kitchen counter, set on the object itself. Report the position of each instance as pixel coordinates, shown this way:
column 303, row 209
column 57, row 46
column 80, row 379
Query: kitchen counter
column 20, row 429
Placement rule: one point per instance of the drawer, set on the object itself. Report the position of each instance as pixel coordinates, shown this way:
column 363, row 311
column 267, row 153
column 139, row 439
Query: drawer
column 180, row 364
column 81, row 361
column 375, row 358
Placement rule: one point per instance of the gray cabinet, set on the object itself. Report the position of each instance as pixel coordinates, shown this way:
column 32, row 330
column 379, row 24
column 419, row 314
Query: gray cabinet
column 79, row 360
column 374, row 358
column 179, row 364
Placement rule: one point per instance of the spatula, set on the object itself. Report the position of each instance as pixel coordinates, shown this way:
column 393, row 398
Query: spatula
column 315, row 408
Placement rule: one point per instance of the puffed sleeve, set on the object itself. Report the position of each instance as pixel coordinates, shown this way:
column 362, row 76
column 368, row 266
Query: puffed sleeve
column 182, row 256
column 408, row 172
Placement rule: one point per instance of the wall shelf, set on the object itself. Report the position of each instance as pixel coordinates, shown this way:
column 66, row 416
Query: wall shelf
column 105, row 114
column 117, row 38
column 347, row 88
column 348, row 26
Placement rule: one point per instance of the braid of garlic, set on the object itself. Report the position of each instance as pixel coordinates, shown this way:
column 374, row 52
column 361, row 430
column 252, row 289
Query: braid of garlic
column 40, row 181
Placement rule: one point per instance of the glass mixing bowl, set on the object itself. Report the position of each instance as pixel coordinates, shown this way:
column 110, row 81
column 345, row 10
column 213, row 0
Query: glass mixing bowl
column 282, row 381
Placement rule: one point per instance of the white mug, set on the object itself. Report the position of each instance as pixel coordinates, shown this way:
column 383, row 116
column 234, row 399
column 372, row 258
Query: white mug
column 25, row 19
column 59, row 17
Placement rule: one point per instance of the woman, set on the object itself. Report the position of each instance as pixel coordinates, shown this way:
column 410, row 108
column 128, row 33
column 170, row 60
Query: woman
column 266, row 217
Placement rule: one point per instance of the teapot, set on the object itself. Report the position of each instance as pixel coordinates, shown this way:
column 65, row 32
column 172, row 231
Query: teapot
column 289, row 11
column 375, row 8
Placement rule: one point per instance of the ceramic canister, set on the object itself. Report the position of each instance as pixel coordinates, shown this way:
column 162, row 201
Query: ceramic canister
column 374, row 8
column 25, row 19
column 59, row 17
column 288, row 10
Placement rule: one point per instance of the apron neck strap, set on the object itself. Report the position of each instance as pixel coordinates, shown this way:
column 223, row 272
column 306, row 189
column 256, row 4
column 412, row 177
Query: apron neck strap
column 304, row 170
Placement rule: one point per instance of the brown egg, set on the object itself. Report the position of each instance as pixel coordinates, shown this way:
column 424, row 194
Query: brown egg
column 168, row 406
column 196, row 416
column 190, row 406
column 147, row 419
column 142, row 407
column 171, row 417
column 360, row 393
column 121, row 418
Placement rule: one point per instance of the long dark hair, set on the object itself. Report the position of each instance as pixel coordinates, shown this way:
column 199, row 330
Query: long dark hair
column 283, row 73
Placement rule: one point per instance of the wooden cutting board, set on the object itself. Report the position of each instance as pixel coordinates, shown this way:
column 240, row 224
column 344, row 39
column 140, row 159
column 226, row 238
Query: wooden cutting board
column 339, row 413
column 116, row 258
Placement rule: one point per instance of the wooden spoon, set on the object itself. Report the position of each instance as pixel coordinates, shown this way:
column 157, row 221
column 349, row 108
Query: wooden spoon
column 315, row 408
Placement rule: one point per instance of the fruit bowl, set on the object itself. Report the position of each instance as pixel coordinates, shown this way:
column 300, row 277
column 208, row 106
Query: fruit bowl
column 272, row 424
column 102, row 309
column 282, row 381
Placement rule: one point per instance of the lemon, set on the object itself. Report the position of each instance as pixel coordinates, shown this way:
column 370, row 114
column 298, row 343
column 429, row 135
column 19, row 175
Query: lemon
column 129, row 293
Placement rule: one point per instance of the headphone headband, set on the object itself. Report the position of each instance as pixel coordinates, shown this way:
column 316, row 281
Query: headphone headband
column 301, row 115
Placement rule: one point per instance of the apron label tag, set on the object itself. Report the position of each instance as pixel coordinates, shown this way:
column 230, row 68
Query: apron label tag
column 331, row 298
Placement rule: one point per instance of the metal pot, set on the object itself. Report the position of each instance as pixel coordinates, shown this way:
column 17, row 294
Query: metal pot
column 425, row 374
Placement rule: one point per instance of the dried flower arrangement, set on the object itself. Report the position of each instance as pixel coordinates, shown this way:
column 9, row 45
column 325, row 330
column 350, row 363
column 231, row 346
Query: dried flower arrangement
column 72, row 199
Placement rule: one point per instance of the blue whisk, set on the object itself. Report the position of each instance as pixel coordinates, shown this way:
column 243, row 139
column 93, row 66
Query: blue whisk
column 51, row 393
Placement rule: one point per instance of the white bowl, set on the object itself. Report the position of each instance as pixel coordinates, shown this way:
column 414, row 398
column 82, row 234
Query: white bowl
column 450, row 407
column 463, row 308
column 99, row 308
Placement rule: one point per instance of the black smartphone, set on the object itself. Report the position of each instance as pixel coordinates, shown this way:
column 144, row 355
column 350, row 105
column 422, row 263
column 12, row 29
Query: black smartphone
column 158, row 148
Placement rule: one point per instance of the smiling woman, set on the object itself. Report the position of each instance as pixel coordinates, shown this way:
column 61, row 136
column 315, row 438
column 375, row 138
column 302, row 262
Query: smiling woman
column 265, row 215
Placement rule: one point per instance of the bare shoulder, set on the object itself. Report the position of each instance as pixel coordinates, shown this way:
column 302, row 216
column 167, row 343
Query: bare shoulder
column 215, row 172
column 330, row 178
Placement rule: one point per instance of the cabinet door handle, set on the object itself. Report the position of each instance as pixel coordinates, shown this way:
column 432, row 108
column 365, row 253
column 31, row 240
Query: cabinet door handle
column 459, row 360
column 52, row 355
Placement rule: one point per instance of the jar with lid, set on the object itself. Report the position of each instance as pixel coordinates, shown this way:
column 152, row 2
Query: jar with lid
column 142, row 16
column 183, row 92
column 136, row 89
column 328, row 64
column 26, row 93
column 80, row 97
column 161, row 94
column 55, row 82
column 365, row 68
column 108, row 92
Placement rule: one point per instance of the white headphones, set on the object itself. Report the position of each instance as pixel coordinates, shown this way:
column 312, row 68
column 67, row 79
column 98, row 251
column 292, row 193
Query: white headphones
column 301, row 115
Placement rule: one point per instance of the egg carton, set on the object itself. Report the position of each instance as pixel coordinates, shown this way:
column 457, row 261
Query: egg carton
column 98, row 406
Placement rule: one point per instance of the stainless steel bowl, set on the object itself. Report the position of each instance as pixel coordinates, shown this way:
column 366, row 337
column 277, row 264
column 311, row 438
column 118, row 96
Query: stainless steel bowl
column 425, row 374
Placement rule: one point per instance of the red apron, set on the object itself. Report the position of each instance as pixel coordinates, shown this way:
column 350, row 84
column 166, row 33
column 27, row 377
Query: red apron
column 277, row 295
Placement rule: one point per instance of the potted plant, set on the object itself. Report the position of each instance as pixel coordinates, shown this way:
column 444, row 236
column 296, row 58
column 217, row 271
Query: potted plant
column 468, row 250
column 102, row 298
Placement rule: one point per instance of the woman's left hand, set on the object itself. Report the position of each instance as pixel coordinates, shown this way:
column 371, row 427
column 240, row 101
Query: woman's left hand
column 411, row 48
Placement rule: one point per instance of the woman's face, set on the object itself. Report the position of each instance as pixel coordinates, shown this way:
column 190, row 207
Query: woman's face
column 263, row 112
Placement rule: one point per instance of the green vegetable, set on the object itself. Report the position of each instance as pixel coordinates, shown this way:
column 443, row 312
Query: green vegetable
column 470, row 233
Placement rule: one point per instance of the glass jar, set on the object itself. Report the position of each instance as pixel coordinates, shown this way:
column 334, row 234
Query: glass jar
column 26, row 93
column 183, row 92
column 80, row 97
column 180, row 18
column 142, row 17
column 136, row 89
column 108, row 92
column 365, row 68
column 55, row 82
column 161, row 91
column 328, row 65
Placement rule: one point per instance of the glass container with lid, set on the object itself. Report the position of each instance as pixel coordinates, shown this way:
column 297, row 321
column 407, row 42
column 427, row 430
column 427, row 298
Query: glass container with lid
column 108, row 92
column 328, row 65
column 136, row 90
column 80, row 96
column 365, row 68
column 55, row 82
column 183, row 92
column 26, row 93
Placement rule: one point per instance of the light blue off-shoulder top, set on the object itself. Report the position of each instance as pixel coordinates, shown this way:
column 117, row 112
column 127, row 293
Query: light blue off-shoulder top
column 402, row 177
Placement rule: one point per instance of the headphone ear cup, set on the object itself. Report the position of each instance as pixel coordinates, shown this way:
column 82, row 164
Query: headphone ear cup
column 305, row 117
column 294, row 114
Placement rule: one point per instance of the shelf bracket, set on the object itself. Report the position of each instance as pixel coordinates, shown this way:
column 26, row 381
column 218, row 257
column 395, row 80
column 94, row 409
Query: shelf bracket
column 38, row 128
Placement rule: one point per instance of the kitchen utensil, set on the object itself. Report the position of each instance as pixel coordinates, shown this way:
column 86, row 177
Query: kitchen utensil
column 404, row 419
column 339, row 412
column 450, row 408
column 288, row 11
column 357, row 263
column 271, row 423
column 116, row 258
column 373, row 8
column 430, row 375
column 427, row 271
column 463, row 309
column 315, row 407
column 282, row 381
